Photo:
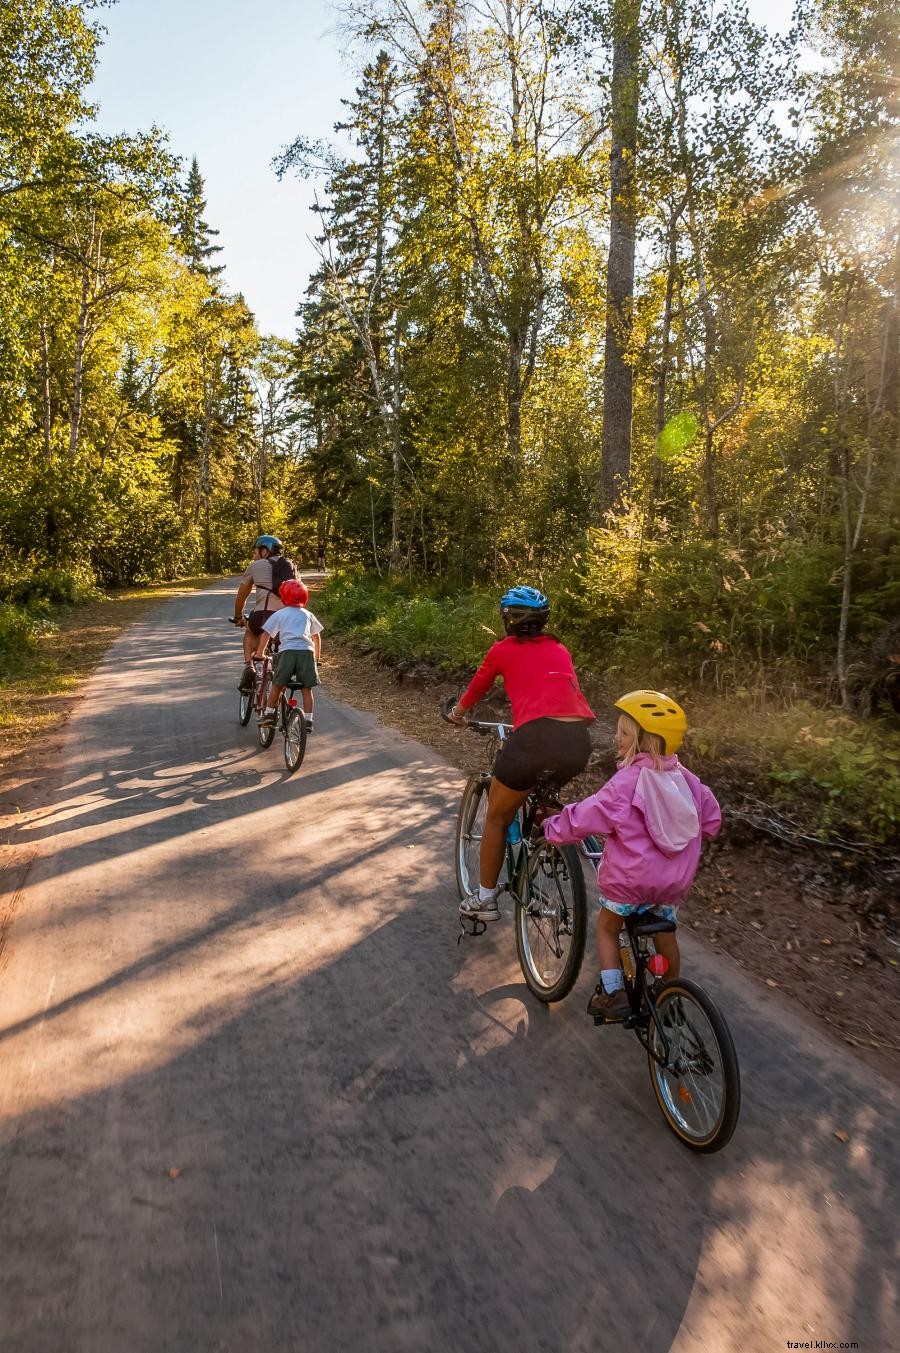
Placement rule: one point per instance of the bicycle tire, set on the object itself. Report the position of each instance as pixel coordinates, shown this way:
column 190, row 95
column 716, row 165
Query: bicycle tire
column 295, row 736
column 542, row 980
column 721, row 1129
column 245, row 707
column 472, row 807
column 265, row 733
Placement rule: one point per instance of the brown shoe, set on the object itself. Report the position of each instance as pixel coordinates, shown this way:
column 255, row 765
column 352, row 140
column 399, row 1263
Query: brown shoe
column 610, row 1007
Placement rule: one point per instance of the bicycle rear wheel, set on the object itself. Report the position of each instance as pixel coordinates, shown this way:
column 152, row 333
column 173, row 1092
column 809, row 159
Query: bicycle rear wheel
column 245, row 707
column 294, row 739
column 469, row 831
column 265, row 732
column 551, row 921
column 699, row 1089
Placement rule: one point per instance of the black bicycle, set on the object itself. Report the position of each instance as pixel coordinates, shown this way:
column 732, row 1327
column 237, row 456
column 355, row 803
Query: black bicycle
column 289, row 718
column 546, row 882
column 690, row 1053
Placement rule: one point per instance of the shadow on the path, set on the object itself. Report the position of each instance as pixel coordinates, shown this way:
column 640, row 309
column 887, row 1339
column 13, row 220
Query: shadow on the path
column 373, row 1158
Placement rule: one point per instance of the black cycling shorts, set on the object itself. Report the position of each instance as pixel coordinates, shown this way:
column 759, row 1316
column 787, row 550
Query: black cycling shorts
column 543, row 749
column 256, row 620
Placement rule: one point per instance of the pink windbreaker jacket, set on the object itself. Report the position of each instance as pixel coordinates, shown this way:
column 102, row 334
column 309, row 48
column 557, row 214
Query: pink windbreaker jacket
column 653, row 840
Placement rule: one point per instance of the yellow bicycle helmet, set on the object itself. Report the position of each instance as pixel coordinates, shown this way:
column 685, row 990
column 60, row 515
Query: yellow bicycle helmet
column 656, row 713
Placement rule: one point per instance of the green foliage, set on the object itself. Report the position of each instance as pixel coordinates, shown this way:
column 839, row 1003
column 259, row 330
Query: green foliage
column 18, row 630
column 657, row 608
column 451, row 630
column 847, row 772
column 53, row 585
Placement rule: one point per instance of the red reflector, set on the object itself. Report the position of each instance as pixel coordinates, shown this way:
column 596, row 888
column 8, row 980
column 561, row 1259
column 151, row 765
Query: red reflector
column 293, row 704
column 658, row 965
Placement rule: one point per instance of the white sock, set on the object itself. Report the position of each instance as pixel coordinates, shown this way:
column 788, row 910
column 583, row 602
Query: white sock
column 611, row 979
column 487, row 894
column 308, row 717
column 270, row 709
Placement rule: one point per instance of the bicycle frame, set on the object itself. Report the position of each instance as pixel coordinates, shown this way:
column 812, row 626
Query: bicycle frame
column 590, row 847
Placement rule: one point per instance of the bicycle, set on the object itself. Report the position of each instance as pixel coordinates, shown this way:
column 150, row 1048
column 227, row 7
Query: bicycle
column 545, row 881
column 690, row 1052
column 289, row 717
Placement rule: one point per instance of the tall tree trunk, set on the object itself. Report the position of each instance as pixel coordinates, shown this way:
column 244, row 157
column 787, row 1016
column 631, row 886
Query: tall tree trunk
column 394, row 565
column 618, row 380
column 78, row 377
column 709, row 480
column 204, row 470
column 662, row 375
column 514, row 396
column 47, row 411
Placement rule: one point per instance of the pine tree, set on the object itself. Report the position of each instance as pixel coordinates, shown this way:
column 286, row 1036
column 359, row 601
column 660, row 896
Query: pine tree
column 193, row 233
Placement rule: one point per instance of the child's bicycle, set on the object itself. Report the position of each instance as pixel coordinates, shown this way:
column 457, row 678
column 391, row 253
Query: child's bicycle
column 546, row 882
column 690, row 1053
column 288, row 716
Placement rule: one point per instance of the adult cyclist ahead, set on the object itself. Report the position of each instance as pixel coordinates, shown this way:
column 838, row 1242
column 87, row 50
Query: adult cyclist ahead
column 550, row 739
column 258, row 574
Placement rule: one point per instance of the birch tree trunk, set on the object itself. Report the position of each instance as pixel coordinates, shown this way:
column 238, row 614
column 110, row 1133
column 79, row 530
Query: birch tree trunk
column 618, row 380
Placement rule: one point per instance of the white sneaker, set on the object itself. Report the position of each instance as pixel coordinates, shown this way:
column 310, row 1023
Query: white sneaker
column 473, row 907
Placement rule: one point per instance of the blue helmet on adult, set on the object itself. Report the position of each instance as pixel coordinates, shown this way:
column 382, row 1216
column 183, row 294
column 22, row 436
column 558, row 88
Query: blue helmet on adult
column 270, row 543
column 525, row 610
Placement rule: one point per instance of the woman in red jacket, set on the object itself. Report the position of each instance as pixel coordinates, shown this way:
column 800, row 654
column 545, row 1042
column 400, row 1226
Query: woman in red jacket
column 550, row 738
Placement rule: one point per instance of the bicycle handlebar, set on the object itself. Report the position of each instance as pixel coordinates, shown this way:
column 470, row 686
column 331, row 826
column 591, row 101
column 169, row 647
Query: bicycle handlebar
column 477, row 725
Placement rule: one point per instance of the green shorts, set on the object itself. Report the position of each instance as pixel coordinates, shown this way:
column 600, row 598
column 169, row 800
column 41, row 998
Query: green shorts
column 295, row 664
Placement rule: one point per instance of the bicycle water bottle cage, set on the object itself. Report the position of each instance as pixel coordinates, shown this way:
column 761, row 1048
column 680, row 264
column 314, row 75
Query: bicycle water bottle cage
column 478, row 927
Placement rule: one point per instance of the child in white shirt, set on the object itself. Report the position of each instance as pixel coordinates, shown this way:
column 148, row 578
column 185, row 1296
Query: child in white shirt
column 299, row 649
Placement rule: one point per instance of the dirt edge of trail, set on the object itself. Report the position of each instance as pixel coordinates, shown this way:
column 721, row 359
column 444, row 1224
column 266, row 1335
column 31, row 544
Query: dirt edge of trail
column 788, row 915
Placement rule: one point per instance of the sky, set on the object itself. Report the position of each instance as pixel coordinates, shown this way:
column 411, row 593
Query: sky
column 232, row 81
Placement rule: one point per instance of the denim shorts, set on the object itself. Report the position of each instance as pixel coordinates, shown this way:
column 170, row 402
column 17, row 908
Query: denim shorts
column 667, row 913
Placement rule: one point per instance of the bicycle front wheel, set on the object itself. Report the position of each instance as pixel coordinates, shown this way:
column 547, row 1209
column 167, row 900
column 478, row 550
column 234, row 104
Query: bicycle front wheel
column 469, row 831
column 294, row 739
column 551, row 921
column 699, row 1087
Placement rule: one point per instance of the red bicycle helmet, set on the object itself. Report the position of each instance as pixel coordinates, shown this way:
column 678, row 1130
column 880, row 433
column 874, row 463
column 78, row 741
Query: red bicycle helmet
column 294, row 593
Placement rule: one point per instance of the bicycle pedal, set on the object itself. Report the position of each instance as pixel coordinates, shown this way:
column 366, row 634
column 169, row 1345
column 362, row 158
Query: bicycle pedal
column 478, row 927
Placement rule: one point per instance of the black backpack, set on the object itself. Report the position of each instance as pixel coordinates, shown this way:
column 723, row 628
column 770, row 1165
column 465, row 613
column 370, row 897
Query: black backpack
column 283, row 569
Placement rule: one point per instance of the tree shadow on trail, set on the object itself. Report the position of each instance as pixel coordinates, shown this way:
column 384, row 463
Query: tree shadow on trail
column 371, row 1157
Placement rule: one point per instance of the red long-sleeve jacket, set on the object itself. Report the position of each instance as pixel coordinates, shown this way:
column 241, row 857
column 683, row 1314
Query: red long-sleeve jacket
column 539, row 678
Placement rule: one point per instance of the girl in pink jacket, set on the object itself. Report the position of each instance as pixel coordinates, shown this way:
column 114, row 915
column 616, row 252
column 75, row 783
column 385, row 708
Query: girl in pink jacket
column 655, row 815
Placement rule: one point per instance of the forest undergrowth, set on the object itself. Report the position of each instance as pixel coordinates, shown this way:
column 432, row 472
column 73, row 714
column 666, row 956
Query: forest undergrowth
column 800, row 766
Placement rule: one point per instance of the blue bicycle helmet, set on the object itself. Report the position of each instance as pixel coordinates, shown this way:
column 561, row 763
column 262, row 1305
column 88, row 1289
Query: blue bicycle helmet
column 525, row 610
column 270, row 543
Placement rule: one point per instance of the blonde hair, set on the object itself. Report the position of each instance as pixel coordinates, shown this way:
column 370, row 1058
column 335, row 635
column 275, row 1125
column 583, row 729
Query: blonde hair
column 641, row 741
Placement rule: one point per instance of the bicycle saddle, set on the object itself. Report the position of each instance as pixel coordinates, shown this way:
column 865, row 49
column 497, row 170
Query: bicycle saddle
column 654, row 925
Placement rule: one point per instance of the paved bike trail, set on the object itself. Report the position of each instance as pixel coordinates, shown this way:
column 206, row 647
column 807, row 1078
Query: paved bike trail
column 254, row 1097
